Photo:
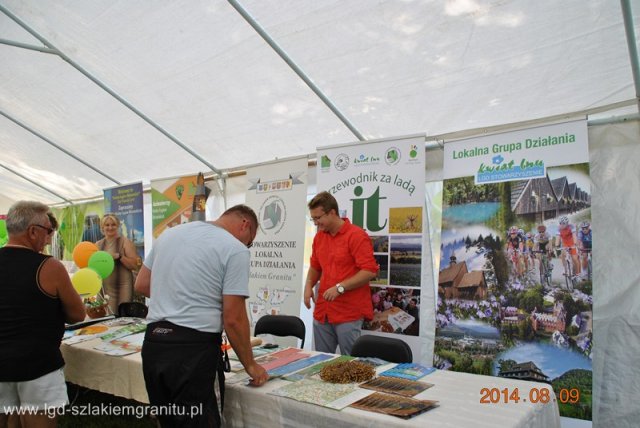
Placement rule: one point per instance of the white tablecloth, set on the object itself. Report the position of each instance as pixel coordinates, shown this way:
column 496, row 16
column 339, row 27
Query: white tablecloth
column 458, row 393
column 121, row 376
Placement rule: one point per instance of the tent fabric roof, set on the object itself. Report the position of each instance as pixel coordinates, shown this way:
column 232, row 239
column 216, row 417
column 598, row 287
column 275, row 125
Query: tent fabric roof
column 200, row 72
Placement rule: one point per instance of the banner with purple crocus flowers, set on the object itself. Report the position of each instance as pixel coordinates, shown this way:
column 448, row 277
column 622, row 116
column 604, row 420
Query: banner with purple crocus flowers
column 514, row 288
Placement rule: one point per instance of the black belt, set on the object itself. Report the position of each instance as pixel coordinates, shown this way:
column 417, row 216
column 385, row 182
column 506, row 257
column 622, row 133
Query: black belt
column 168, row 332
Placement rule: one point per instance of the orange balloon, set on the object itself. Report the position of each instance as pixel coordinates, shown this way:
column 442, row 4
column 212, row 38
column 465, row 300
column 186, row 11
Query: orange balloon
column 82, row 252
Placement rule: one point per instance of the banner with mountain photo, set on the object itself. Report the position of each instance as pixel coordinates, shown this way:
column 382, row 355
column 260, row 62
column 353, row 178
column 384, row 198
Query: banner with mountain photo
column 514, row 288
column 379, row 186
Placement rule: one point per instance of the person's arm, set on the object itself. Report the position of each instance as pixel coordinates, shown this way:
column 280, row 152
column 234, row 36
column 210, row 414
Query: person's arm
column 361, row 278
column 55, row 280
column 313, row 276
column 362, row 251
column 236, row 325
column 128, row 257
column 143, row 282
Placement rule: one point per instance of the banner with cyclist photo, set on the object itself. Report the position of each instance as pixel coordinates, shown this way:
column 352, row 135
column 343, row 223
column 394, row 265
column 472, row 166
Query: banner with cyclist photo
column 514, row 287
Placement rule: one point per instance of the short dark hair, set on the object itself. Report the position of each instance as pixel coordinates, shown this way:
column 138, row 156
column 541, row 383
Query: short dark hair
column 326, row 201
column 243, row 211
column 53, row 220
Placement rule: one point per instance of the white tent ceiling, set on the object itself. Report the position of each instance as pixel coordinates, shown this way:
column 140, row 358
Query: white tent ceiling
column 199, row 72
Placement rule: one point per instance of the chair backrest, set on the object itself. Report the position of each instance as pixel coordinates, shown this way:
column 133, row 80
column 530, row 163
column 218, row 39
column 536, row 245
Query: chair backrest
column 281, row 325
column 132, row 309
column 386, row 348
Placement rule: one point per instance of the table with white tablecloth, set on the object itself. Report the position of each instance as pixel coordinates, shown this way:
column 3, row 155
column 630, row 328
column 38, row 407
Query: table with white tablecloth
column 459, row 396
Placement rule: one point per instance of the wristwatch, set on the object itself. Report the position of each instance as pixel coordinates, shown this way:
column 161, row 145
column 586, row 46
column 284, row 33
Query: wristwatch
column 340, row 288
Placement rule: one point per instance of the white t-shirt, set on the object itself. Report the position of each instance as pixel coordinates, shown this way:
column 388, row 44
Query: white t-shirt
column 192, row 266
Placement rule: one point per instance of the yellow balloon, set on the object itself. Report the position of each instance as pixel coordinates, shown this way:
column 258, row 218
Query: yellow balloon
column 87, row 282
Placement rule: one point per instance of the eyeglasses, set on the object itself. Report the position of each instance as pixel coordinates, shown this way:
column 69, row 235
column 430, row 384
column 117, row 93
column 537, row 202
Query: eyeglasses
column 48, row 229
column 315, row 219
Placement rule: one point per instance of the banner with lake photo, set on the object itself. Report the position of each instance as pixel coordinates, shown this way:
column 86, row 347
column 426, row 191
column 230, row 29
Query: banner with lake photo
column 514, row 288
column 379, row 186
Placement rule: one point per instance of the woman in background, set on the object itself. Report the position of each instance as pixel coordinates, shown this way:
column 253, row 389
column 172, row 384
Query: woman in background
column 119, row 285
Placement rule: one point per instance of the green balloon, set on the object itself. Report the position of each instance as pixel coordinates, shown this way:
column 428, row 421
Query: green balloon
column 3, row 233
column 102, row 262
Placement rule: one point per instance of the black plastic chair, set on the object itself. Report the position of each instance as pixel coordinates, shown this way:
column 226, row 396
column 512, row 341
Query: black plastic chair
column 386, row 348
column 132, row 309
column 281, row 325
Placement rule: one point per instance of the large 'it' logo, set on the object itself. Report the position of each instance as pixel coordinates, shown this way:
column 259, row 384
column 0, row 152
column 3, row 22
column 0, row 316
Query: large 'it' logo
column 369, row 205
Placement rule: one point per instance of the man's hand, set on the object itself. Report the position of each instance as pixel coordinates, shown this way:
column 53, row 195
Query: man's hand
column 258, row 374
column 331, row 294
column 309, row 296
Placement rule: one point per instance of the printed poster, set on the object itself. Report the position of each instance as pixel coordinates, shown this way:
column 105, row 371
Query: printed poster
column 126, row 202
column 514, row 288
column 77, row 223
column 379, row 186
column 277, row 192
column 171, row 202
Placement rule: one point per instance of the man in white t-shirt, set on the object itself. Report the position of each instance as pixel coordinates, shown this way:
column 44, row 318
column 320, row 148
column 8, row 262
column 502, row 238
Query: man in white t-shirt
column 194, row 271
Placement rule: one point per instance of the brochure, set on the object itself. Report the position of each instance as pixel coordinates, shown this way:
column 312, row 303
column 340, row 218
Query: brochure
column 394, row 385
column 394, row 405
column 411, row 371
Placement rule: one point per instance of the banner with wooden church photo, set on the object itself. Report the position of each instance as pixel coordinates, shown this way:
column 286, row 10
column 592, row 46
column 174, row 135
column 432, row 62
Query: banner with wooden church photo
column 514, row 288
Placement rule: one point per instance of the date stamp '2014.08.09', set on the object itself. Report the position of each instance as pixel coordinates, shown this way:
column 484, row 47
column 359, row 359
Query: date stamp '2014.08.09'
column 535, row 395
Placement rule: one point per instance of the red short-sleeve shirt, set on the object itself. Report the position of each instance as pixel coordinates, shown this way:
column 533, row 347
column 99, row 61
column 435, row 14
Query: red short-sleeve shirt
column 337, row 258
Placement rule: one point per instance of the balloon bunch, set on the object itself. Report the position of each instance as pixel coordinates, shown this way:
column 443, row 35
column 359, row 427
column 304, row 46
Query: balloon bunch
column 95, row 265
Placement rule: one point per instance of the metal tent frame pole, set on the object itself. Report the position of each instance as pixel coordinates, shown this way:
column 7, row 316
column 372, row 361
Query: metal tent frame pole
column 62, row 149
column 301, row 74
column 35, row 183
column 103, row 86
column 627, row 15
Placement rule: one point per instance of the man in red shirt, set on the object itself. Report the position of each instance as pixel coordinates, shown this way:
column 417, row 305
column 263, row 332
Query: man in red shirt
column 342, row 259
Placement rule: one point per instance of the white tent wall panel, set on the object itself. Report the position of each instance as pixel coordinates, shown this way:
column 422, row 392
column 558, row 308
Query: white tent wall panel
column 614, row 154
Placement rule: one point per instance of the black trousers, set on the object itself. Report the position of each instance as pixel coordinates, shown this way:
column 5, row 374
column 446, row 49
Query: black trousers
column 180, row 366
